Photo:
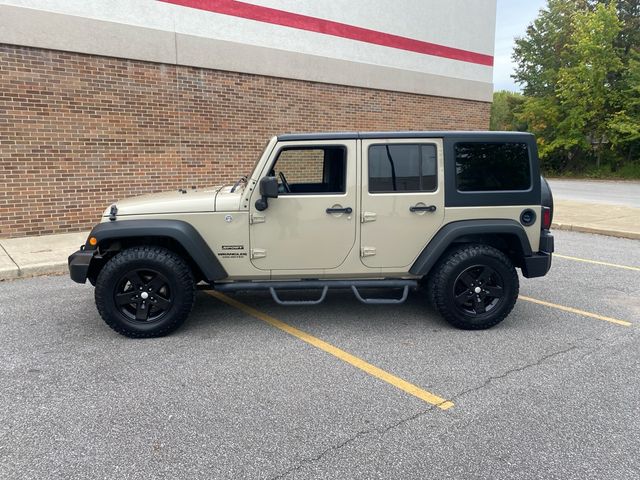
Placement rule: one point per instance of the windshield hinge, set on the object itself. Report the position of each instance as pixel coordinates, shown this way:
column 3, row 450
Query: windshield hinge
column 257, row 218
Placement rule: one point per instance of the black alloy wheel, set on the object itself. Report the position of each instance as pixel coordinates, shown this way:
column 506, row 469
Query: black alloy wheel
column 143, row 295
column 478, row 290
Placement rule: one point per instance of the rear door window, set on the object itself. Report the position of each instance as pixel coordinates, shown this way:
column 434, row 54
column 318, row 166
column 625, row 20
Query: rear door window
column 402, row 168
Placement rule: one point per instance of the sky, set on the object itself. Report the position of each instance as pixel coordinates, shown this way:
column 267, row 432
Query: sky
column 512, row 20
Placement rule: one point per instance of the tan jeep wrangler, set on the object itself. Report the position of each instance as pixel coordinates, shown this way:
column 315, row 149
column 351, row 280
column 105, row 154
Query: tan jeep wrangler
column 453, row 212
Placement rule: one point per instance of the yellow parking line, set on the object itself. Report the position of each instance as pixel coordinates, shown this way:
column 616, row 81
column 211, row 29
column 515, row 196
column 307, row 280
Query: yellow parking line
column 597, row 262
column 624, row 323
column 336, row 352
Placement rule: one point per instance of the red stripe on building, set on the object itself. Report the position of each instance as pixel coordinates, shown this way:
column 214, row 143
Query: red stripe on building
column 329, row 27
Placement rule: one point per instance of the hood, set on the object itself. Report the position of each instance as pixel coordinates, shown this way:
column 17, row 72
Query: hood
column 227, row 201
column 175, row 201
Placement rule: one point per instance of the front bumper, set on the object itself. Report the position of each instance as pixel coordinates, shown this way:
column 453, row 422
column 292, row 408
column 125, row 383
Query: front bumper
column 538, row 264
column 79, row 263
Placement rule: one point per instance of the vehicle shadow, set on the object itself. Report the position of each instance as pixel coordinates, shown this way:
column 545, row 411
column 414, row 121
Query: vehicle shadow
column 340, row 309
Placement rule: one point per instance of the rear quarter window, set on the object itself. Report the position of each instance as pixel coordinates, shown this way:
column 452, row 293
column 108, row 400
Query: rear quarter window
column 497, row 166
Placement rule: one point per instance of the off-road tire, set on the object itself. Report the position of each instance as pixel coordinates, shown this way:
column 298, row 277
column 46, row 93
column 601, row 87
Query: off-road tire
column 426, row 284
column 442, row 284
column 168, row 265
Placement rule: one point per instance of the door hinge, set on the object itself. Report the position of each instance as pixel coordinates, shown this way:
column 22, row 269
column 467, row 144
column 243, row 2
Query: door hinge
column 367, row 251
column 368, row 217
column 257, row 218
column 258, row 253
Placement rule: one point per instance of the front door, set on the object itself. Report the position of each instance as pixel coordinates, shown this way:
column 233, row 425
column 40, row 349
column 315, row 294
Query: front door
column 312, row 224
column 402, row 199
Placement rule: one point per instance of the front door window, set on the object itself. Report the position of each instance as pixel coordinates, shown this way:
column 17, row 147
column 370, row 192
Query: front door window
column 314, row 170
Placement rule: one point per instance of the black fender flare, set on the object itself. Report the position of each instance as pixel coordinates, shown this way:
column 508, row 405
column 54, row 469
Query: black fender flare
column 182, row 232
column 454, row 230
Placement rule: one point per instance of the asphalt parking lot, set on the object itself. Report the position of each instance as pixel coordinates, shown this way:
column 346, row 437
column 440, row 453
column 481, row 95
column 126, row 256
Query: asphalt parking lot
column 549, row 393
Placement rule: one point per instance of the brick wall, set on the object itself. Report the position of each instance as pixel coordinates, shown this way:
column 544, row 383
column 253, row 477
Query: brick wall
column 301, row 166
column 77, row 132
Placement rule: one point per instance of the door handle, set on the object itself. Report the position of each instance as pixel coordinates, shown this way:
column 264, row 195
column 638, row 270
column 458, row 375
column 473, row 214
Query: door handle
column 422, row 208
column 346, row 210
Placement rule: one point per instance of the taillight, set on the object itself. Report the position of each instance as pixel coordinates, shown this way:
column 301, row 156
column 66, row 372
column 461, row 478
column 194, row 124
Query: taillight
column 547, row 204
column 546, row 218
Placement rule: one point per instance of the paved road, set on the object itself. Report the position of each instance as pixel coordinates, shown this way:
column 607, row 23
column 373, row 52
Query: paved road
column 615, row 193
column 546, row 394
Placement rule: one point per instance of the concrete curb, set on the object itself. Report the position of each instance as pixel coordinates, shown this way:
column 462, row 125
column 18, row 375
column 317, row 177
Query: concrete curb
column 8, row 267
column 596, row 230
column 36, row 270
column 33, row 256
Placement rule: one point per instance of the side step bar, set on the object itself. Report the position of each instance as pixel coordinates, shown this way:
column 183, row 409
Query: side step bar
column 324, row 285
column 277, row 299
column 381, row 301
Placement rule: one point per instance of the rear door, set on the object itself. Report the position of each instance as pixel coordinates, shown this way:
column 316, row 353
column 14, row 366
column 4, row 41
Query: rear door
column 402, row 199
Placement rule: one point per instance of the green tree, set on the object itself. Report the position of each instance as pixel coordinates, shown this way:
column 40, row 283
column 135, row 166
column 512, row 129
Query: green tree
column 539, row 56
column 578, row 65
column 503, row 110
column 542, row 51
column 629, row 38
column 624, row 125
column 586, row 89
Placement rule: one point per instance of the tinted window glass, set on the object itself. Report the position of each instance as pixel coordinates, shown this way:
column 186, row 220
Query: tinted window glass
column 492, row 166
column 429, row 168
column 402, row 168
column 311, row 170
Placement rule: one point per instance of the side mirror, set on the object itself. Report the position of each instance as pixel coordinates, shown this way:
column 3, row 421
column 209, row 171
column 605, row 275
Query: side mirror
column 268, row 189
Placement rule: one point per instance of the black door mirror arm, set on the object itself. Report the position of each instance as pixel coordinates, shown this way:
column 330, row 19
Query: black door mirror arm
column 268, row 189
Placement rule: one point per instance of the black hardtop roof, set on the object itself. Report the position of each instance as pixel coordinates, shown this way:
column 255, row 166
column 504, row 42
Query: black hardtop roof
column 469, row 135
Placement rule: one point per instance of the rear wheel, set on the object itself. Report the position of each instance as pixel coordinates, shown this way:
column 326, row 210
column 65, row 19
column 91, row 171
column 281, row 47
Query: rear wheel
column 474, row 287
column 145, row 292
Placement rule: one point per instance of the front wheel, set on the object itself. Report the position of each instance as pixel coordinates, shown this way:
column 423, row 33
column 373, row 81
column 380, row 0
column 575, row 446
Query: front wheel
column 474, row 287
column 145, row 292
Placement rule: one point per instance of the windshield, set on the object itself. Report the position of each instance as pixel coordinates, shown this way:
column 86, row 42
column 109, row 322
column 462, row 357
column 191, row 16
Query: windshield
column 244, row 178
column 265, row 151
